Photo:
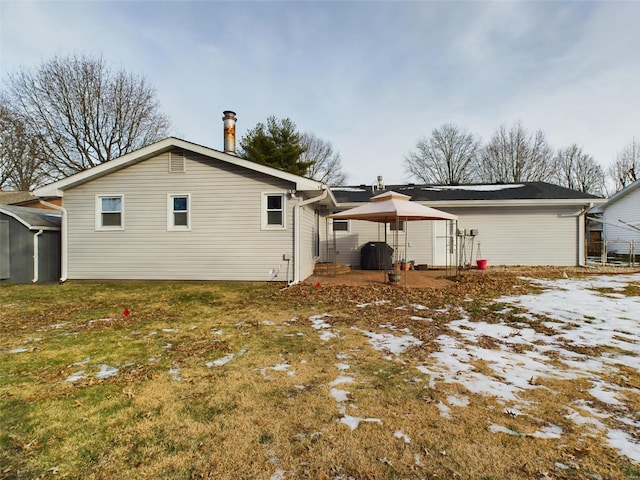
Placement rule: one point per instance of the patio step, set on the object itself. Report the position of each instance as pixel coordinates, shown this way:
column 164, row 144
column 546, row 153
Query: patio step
column 327, row 269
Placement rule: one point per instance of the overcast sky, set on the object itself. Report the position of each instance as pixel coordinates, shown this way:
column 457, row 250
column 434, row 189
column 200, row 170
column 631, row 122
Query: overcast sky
column 370, row 77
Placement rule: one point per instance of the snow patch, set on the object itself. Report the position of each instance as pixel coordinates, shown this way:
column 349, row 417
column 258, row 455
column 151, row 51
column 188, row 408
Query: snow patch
column 386, row 342
column 402, row 436
column 106, row 371
column 341, row 380
column 75, row 377
column 354, row 422
column 339, row 395
column 472, row 188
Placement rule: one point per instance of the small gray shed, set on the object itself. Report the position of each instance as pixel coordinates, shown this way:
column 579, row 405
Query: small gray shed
column 29, row 245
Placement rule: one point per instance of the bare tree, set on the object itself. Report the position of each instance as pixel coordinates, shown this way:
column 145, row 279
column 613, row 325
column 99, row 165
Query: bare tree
column 4, row 161
column 326, row 165
column 447, row 157
column 22, row 166
column 515, row 155
column 626, row 168
column 576, row 170
column 83, row 113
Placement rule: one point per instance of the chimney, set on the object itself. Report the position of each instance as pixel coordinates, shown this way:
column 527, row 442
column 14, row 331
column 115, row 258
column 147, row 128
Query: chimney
column 380, row 183
column 229, row 132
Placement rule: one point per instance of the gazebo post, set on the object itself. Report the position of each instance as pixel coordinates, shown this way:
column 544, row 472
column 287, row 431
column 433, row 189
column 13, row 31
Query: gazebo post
column 406, row 247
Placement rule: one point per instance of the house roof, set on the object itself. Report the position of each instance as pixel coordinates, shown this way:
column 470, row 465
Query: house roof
column 525, row 193
column 19, row 196
column 33, row 218
column 616, row 197
column 58, row 188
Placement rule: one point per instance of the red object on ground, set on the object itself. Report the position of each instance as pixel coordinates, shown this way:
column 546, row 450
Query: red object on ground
column 317, row 284
column 482, row 264
column 126, row 312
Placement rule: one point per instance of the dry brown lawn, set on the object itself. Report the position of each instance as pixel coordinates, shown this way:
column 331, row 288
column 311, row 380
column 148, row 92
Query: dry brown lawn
column 252, row 381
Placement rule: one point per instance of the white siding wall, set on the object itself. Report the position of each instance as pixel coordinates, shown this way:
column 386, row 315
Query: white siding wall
column 307, row 241
column 524, row 235
column 226, row 241
column 627, row 209
column 507, row 236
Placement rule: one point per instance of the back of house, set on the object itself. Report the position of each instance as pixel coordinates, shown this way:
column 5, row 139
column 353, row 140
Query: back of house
column 179, row 211
column 529, row 223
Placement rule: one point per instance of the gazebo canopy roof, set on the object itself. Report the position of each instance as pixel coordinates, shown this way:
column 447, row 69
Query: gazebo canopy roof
column 392, row 206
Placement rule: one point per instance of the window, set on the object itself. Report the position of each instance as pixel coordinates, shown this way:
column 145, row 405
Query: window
column 340, row 225
column 109, row 212
column 396, row 226
column 273, row 211
column 179, row 212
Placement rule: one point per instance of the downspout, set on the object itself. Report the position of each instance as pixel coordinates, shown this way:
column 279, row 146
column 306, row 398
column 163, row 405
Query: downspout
column 581, row 237
column 36, row 257
column 63, row 238
column 297, row 247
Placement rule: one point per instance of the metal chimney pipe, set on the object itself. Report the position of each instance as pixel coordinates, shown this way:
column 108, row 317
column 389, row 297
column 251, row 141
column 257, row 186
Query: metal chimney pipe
column 380, row 183
column 229, row 131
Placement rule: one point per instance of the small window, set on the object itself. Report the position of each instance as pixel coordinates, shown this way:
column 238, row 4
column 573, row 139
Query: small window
column 179, row 212
column 340, row 225
column 273, row 211
column 109, row 212
column 396, row 226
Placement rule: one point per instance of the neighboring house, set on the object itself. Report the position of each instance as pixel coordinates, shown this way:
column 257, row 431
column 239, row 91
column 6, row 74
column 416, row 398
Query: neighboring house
column 24, row 199
column 530, row 223
column 619, row 220
column 29, row 245
column 175, row 210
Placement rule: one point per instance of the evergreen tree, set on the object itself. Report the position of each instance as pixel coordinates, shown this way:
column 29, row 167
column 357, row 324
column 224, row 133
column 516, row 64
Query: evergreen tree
column 277, row 144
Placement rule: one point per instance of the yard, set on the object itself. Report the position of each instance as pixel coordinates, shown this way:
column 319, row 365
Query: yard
column 525, row 374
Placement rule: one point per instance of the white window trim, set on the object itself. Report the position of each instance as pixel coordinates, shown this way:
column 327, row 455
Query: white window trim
column 98, row 212
column 343, row 232
column 170, row 218
column 263, row 213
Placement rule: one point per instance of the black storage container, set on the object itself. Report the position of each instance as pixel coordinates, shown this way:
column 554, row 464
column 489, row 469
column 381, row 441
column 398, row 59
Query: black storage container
column 376, row 256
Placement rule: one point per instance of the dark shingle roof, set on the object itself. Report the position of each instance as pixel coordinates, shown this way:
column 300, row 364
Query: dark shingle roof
column 34, row 218
column 439, row 193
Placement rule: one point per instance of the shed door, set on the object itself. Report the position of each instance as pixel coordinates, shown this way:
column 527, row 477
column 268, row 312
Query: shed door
column 5, row 270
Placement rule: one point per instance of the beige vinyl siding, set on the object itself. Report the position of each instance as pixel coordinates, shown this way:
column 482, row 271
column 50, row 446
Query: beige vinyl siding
column 307, row 242
column 348, row 244
column 508, row 235
column 627, row 209
column 524, row 235
column 226, row 241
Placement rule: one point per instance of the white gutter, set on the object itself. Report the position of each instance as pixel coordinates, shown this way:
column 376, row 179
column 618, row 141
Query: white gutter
column 36, row 258
column 63, row 238
column 297, row 232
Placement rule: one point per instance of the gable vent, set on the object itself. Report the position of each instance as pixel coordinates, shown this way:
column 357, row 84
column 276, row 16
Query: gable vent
column 176, row 162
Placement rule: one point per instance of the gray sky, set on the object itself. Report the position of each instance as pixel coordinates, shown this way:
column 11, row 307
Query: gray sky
column 370, row 77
